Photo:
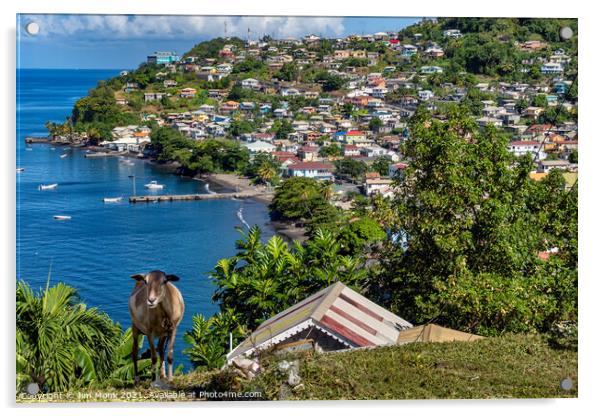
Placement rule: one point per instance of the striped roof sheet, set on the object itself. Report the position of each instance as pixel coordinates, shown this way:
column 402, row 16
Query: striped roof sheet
column 339, row 312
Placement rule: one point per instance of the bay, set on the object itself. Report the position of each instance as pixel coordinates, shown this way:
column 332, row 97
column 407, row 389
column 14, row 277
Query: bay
column 104, row 244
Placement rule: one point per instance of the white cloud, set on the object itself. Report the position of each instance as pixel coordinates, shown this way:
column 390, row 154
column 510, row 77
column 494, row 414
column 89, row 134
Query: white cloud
column 122, row 27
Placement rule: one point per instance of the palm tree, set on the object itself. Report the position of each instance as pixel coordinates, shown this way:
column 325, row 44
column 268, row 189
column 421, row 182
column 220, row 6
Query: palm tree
column 123, row 366
column 326, row 190
column 266, row 172
column 61, row 343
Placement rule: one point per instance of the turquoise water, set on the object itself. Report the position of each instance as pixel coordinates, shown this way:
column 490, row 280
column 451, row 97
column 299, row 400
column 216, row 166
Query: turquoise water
column 103, row 244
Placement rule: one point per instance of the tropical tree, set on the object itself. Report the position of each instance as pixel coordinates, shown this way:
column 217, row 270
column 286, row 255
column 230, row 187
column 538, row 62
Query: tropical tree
column 61, row 343
column 266, row 278
column 297, row 198
column 472, row 225
column 209, row 338
column 381, row 165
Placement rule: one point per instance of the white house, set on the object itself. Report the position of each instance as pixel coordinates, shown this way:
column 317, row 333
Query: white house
column 250, row 83
column 523, row 147
column 260, row 147
column 551, row 68
column 425, row 95
column 315, row 170
column 452, row 33
column 431, row 69
column 378, row 185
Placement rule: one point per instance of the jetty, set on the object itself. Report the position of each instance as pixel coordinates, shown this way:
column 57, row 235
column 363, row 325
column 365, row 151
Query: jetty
column 31, row 140
column 192, row 197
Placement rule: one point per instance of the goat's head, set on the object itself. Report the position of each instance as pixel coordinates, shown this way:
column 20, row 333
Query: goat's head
column 155, row 282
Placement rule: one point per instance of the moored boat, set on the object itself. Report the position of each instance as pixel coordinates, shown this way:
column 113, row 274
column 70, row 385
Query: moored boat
column 20, row 170
column 154, row 185
column 62, row 217
column 112, row 200
column 47, row 187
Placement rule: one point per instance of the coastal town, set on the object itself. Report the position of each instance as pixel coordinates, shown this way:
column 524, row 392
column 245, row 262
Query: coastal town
column 345, row 121
column 422, row 190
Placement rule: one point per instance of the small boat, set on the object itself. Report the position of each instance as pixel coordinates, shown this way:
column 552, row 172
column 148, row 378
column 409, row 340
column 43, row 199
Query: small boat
column 47, row 187
column 112, row 200
column 127, row 162
column 20, row 170
column 154, row 185
column 62, row 217
column 64, row 155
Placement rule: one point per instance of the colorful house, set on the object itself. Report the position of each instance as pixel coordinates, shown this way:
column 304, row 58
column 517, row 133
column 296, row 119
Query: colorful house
column 162, row 58
column 335, row 318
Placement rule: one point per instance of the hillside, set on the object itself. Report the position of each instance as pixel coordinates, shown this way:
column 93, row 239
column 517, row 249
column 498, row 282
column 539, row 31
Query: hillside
column 515, row 366
column 512, row 366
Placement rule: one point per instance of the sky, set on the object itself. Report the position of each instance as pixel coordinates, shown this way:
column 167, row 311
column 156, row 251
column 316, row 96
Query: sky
column 124, row 41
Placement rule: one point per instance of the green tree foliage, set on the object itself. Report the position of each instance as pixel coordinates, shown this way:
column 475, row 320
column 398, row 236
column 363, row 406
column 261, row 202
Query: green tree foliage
column 381, row 165
column 264, row 279
column 359, row 235
column 211, row 48
column 375, row 124
column 61, row 343
column 240, row 127
column 479, row 53
column 351, row 168
column 248, row 65
column 212, row 155
column 288, row 72
column 209, row 338
column 282, row 129
column 299, row 199
column 330, row 82
column 263, row 168
column 331, row 150
column 100, row 112
column 471, row 228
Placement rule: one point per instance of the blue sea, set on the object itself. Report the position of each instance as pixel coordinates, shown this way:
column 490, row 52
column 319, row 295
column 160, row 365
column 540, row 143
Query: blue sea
column 104, row 244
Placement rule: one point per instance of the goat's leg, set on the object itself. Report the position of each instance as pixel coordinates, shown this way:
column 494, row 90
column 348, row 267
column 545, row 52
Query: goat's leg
column 151, row 343
column 135, row 337
column 172, row 340
column 162, row 345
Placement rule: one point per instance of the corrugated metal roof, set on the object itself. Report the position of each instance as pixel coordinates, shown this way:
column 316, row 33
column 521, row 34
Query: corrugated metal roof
column 338, row 311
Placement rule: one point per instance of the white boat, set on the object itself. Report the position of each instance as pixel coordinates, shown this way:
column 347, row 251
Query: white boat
column 112, row 200
column 64, row 155
column 154, row 185
column 127, row 162
column 62, row 217
column 47, row 187
column 20, row 170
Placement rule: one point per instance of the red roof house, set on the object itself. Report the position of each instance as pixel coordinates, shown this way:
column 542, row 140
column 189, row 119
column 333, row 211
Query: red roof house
column 335, row 318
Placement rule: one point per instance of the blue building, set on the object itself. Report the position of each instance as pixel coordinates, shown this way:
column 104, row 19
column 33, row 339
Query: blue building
column 162, row 58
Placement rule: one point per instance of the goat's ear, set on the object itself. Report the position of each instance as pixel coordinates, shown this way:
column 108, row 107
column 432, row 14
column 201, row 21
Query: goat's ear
column 138, row 277
column 172, row 278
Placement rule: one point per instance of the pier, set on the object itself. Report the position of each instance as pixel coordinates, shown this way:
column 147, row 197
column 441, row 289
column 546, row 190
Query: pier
column 192, row 197
column 31, row 140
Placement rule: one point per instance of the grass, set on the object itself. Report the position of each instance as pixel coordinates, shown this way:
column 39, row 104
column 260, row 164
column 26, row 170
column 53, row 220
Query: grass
column 512, row 366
